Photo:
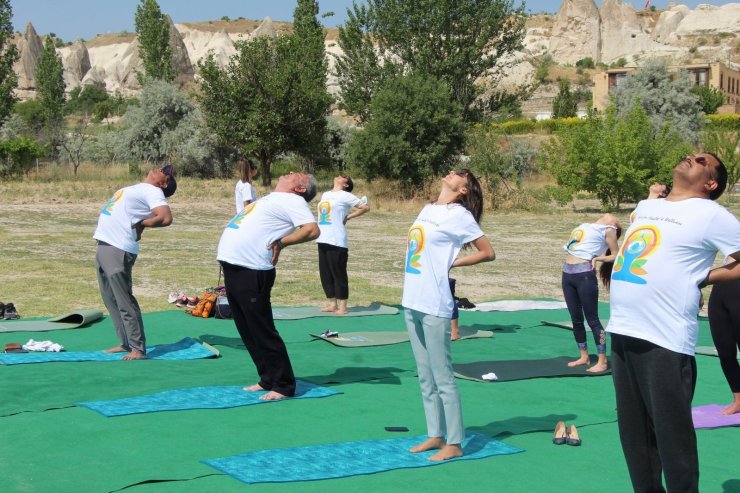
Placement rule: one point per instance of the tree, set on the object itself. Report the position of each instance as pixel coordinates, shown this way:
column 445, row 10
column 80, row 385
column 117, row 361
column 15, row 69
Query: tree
column 666, row 98
column 457, row 41
column 72, row 144
column 710, row 98
column 271, row 98
column 565, row 103
column 311, row 102
column 725, row 143
column 161, row 109
column 614, row 157
column 415, row 131
column 153, row 34
column 17, row 156
column 8, row 56
column 50, row 88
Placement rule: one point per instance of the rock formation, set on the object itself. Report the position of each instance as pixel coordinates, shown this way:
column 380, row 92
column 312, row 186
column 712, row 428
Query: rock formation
column 267, row 28
column 577, row 32
column 29, row 47
column 180, row 58
column 76, row 63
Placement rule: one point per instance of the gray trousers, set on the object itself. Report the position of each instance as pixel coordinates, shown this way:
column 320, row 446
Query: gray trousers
column 114, row 267
column 430, row 341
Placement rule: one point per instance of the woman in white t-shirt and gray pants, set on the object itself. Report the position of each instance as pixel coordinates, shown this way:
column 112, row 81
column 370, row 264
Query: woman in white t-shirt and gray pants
column 589, row 243
column 333, row 214
column 434, row 241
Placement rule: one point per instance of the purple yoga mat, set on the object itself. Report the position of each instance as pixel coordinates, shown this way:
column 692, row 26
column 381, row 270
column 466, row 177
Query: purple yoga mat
column 710, row 416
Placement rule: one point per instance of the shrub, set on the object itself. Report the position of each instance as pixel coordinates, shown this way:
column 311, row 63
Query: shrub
column 722, row 122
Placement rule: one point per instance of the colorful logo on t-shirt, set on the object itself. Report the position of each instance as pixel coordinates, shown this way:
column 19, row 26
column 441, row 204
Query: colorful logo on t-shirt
column 108, row 207
column 236, row 222
column 639, row 245
column 325, row 212
column 575, row 237
column 414, row 248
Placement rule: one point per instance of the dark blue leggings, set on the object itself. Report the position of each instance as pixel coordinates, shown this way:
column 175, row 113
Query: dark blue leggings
column 581, row 291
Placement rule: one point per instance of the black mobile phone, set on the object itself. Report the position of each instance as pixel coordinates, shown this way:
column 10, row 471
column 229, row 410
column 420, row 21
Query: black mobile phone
column 396, row 428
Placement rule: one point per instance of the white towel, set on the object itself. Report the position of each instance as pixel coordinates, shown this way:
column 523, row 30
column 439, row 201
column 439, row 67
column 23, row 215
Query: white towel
column 45, row 346
column 489, row 376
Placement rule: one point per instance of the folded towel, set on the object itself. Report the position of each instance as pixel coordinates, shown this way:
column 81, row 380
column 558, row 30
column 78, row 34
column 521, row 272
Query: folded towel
column 43, row 346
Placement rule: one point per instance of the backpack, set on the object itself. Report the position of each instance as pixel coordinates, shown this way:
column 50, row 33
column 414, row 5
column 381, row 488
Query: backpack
column 222, row 309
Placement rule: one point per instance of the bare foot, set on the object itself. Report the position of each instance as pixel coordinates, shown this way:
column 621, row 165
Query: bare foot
column 273, row 396
column 254, row 388
column 447, row 452
column 134, row 354
column 340, row 312
column 341, row 307
column 598, row 368
column 579, row 362
column 733, row 408
column 328, row 308
column 432, row 443
column 116, row 349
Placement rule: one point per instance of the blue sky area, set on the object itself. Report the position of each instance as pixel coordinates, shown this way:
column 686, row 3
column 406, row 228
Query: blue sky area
column 72, row 19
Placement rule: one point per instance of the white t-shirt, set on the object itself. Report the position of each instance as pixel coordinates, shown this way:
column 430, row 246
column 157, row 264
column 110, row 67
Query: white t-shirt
column 332, row 209
column 127, row 207
column 667, row 252
column 245, row 239
column 434, row 241
column 244, row 191
column 588, row 241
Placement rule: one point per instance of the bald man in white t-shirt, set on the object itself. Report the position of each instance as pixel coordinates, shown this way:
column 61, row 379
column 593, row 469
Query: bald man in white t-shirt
column 248, row 251
column 665, row 260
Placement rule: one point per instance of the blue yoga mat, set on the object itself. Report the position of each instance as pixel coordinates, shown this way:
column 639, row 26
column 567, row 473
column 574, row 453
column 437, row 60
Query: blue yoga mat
column 187, row 348
column 220, row 397
column 339, row 460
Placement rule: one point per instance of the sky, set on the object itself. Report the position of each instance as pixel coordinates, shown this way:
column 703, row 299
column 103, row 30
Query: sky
column 72, row 19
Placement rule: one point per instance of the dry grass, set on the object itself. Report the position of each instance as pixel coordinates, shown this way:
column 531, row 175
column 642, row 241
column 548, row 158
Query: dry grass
column 47, row 261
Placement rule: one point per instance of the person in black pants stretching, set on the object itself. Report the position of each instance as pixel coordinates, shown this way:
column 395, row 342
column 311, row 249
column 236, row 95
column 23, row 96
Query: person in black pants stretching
column 665, row 260
column 724, row 321
column 248, row 251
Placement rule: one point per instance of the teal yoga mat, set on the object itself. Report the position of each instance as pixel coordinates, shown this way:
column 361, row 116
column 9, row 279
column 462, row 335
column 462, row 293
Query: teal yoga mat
column 299, row 312
column 339, row 460
column 218, row 397
column 365, row 339
column 71, row 320
column 509, row 370
column 185, row 349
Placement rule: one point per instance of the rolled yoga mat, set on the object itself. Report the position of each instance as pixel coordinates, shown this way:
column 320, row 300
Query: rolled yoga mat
column 340, row 460
column 518, row 305
column 509, row 370
column 219, row 397
column 68, row 321
column 187, row 348
column 299, row 312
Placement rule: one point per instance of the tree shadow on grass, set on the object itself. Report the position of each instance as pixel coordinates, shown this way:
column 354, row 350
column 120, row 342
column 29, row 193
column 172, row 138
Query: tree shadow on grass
column 731, row 486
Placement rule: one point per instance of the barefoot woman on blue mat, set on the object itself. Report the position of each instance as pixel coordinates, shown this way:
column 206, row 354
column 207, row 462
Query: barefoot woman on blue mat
column 588, row 244
column 434, row 240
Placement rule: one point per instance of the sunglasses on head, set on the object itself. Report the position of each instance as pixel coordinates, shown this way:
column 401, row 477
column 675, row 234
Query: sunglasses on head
column 461, row 173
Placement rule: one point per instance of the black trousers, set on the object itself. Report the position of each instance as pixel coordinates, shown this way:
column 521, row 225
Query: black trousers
column 249, row 292
column 581, row 293
column 654, row 388
column 333, row 271
column 724, row 321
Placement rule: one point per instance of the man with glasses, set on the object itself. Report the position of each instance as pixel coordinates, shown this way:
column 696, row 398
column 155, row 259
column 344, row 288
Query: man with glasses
column 665, row 260
column 120, row 226
column 248, row 251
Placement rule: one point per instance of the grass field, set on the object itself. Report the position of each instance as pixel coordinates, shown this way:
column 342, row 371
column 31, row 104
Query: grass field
column 47, row 257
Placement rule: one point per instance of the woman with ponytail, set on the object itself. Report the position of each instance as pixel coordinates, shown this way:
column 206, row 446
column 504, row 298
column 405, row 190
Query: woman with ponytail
column 588, row 244
column 245, row 193
column 440, row 231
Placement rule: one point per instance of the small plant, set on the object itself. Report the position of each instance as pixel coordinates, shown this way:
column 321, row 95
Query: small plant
column 225, row 18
